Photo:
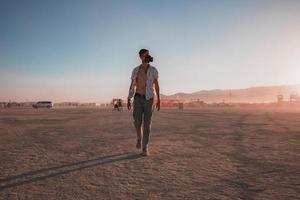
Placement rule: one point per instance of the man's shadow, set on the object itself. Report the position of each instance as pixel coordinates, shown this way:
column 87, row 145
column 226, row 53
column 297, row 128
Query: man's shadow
column 41, row 174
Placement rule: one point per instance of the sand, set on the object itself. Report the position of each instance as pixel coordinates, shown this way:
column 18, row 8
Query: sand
column 195, row 154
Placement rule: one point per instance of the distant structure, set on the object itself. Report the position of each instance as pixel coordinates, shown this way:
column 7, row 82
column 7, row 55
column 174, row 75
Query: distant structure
column 66, row 104
column 293, row 101
column 279, row 98
column 3, row 104
column 195, row 103
column 229, row 101
column 294, row 98
column 180, row 106
column 13, row 105
column 74, row 105
column 169, row 102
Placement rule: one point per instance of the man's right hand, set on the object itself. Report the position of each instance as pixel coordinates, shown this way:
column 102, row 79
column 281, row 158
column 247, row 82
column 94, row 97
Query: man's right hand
column 128, row 104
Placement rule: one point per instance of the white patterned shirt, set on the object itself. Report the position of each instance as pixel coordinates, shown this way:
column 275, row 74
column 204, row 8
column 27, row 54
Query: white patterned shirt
column 152, row 74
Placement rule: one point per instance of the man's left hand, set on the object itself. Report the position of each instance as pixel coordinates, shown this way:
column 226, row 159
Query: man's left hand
column 158, row 105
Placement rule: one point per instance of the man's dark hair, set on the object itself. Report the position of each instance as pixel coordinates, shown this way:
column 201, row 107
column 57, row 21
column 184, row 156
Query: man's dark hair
column 142, row 51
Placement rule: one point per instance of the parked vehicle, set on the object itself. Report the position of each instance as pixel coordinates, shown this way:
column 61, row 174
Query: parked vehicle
column 42, row 104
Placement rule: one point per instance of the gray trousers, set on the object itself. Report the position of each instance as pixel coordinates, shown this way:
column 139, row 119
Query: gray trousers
column 142, row 113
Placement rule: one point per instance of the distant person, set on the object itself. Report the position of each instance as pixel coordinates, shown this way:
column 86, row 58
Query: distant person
column 120, row 106
column 116, row 106
column 143, row 78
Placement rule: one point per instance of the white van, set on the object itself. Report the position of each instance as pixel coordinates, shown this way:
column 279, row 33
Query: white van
column 42, row 104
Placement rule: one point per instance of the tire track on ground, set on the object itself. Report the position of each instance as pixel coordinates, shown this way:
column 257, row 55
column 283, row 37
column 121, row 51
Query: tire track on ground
column 244, row 179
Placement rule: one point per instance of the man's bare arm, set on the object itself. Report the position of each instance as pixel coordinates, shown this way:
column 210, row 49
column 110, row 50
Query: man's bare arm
column 131, row 90
column 130, row 94
column 156, row 85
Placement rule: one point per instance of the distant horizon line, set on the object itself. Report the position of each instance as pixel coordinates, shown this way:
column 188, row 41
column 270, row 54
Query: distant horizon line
column 101, row 102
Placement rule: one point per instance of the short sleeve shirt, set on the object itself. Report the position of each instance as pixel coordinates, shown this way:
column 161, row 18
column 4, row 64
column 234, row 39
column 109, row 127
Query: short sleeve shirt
column 152, row 74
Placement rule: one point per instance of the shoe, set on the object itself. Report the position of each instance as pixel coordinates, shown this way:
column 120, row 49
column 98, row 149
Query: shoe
column 138, row 144
column 145, row 152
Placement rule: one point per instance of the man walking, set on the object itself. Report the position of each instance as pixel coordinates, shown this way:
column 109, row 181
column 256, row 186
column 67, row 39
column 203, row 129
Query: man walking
column 143, row 78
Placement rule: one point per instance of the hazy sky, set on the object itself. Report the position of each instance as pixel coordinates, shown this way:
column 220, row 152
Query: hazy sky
column 83, row 50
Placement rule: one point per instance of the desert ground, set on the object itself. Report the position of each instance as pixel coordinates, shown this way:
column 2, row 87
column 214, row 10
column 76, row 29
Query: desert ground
column 220, row 153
